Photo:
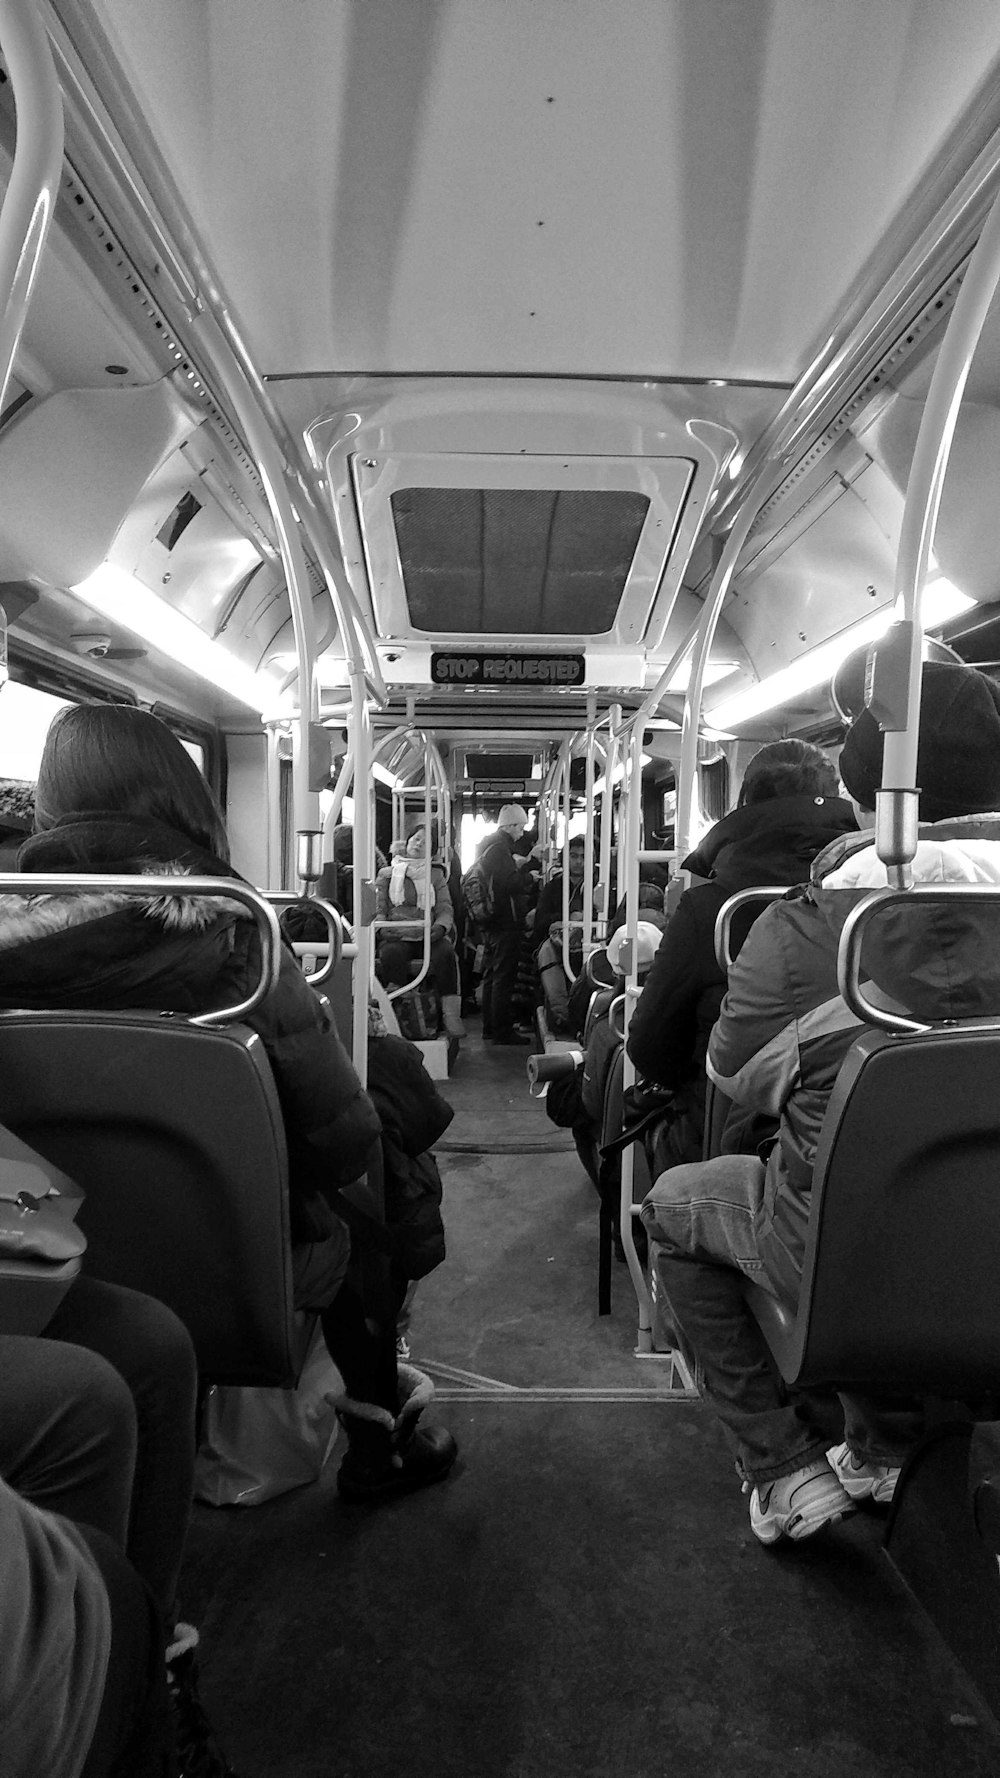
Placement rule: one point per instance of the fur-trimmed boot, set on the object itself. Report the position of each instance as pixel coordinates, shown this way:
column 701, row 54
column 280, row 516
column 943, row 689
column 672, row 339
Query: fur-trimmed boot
column 389, row 1455
column 451, row 1013
column 198, row 1752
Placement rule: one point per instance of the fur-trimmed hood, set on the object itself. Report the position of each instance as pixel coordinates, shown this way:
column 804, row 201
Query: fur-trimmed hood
column 24, row 918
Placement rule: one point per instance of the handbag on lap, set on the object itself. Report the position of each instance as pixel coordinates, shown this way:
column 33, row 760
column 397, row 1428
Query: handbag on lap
column 40, row 1245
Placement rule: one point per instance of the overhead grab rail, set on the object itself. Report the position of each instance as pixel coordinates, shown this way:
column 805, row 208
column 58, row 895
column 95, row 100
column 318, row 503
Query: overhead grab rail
column 155, row 887
column 36, row 171
column 729, row 909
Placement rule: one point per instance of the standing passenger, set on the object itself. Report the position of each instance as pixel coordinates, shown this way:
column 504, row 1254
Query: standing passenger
column 117, row 793
column 504, row 870
column 782, row 1034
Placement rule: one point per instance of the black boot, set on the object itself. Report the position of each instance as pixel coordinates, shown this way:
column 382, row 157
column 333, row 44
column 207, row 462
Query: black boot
column 389, row 1455
column 198, row 1752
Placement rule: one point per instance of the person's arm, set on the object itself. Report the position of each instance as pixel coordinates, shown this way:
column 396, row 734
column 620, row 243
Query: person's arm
column 753, row 1053
column 661, row 1034
column 55, row 1637
column 382, row 895
column 330, row 1122
column 443, row 919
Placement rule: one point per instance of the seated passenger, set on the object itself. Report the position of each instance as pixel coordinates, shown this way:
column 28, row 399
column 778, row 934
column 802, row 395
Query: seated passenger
column 97, row 1420
column 782, row 1033
column 403, row 890
column 788, row 810
column 117, row 793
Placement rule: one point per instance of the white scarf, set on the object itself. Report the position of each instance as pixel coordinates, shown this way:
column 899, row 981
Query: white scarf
column 418, row 872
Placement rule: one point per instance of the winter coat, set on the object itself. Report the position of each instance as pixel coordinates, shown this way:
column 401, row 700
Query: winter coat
column 511, row 883
column 442, row 912
column 414, row 1116
column 783, row 1029
column 767, row 842
column 118, row 953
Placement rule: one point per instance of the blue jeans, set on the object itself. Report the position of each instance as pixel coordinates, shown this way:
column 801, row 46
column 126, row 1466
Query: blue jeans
column 701, row 1220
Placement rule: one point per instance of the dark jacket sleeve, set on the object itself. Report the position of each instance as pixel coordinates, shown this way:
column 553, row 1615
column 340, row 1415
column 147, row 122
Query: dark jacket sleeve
column 511, row 883
column 662, row 1032
column 330, row 1122
column 548, row 909
column 408, row 1103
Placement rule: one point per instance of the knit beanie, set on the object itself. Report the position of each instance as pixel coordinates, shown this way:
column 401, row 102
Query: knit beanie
column 958, row 753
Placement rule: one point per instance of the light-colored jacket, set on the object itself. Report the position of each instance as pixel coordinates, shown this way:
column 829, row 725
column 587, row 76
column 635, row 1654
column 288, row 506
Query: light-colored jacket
column 442, row 912
column 783, row 1028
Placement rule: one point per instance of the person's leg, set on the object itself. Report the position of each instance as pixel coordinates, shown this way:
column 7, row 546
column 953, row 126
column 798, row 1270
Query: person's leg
column 488, row 976
column 506, row 946
column 555, row 987
column 134, row 1732
column 444, row 973
column 67, row 1432
column 700, row 1222
column 151, row 1349
column 879, row 1435
column 382, row 1400
column 392, row 965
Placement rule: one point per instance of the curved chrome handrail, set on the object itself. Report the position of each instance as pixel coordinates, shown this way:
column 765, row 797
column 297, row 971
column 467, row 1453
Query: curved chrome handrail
column 334, row 926
column 724, row 918
column 223, row 888
column 619, row 1000
column 849, row 955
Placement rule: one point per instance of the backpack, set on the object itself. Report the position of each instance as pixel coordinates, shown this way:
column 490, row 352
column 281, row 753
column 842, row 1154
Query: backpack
column 477, row 893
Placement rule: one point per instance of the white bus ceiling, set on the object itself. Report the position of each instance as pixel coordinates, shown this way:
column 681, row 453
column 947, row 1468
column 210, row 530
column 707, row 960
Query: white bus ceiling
column 597, row 264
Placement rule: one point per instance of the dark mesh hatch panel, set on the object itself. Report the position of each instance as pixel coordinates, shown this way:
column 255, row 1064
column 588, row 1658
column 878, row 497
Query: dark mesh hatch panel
column 516, row 560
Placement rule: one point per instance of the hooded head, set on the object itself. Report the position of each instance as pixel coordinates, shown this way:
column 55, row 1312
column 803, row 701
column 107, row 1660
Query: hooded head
column 647, row 938
column 958, row 752
column 512, row 819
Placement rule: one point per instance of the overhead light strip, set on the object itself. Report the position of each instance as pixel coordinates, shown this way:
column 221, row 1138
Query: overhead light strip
column 124, row 600
column 941, row 601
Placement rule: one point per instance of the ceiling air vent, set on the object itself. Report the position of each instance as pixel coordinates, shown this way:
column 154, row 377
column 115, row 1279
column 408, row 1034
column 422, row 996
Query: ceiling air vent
column 516, row 560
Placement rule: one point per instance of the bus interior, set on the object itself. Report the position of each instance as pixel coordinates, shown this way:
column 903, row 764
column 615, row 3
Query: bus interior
column 425, row 406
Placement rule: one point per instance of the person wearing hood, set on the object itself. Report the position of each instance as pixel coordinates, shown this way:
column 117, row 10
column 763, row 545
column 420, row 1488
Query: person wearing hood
column 789, row 809
column 118, row 794
column 782, row 1033
column 508, row 872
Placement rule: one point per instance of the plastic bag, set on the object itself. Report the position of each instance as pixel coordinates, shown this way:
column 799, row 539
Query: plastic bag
column 257, row 1443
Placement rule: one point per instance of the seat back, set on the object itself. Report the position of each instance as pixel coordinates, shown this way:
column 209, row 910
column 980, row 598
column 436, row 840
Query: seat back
column 899, row 1286
column 175, row 1133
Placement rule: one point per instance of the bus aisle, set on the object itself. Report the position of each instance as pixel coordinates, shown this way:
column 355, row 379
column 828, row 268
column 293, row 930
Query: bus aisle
column 583, row 1597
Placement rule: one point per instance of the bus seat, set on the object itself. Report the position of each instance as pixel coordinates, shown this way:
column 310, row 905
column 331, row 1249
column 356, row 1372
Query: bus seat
column 899, row 1285
column 174, row 1131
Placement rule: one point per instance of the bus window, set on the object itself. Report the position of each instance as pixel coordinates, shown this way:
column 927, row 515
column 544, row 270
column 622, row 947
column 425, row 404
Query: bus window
column 25, row 715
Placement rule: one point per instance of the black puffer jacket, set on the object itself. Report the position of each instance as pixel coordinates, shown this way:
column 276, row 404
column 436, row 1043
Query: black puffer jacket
column 115, row 953
column 767, row 842
column 414, row 1116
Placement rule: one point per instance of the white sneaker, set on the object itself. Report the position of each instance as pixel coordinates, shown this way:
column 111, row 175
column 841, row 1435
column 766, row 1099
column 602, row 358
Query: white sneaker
column 863, row 1481
column 798, row 1505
